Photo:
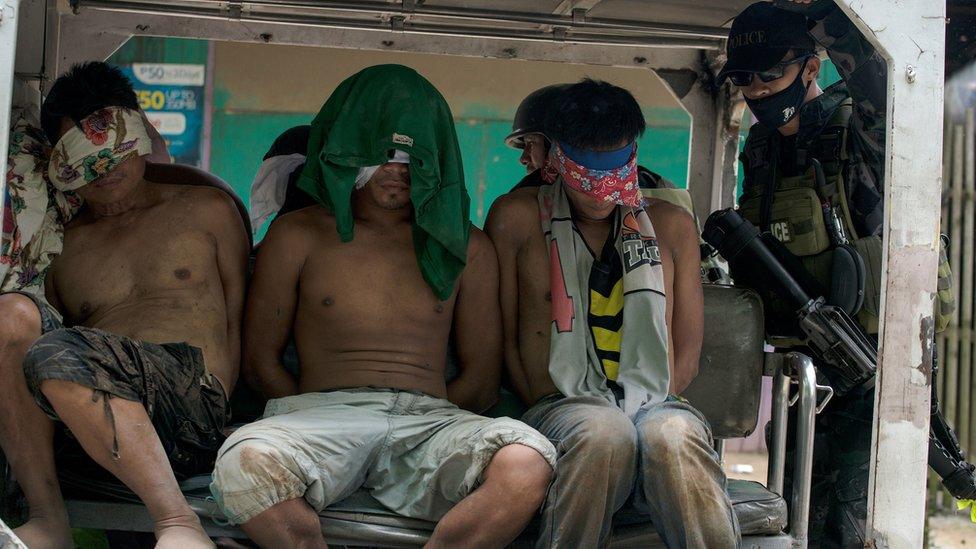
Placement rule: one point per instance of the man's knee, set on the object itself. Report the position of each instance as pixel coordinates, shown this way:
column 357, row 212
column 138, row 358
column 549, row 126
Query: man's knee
column 250, row 464
column 253, row 474
column 521, row 466
column 604, row 438
column 20, row 321
column 670, row 434
column 673, row 437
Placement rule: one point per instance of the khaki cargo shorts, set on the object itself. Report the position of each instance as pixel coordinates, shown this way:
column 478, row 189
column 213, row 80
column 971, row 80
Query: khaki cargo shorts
column 416, row 454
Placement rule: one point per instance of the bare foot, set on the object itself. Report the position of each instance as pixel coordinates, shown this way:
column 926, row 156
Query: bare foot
column 182, row 533
column 46, row 533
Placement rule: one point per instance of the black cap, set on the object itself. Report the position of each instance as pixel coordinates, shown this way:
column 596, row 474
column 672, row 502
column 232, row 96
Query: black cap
column 761, row 36
column 531, row 113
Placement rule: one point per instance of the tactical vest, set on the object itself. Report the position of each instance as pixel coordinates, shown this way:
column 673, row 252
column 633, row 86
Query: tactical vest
column 806, row 209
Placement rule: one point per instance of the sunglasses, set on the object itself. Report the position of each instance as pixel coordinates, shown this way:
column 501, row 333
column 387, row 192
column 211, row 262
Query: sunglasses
column 743, row 79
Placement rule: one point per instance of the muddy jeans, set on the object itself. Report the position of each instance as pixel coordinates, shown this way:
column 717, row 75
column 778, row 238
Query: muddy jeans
column 663, row 458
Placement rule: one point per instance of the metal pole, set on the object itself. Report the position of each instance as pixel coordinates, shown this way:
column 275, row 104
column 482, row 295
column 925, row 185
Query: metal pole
column 447, row 12
column 955, row 257
column 208, row 107
column 910, row 36
column 967, row 381
column 936, row 493
column 578, row 35
column 9, row 12
column 778, row 419
column 803, row 463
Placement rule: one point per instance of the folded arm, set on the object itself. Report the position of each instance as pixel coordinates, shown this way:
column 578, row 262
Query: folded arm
column 231, row 237
column 477, row 329
column 678, row 236
column 503, row 226
column 271, row 306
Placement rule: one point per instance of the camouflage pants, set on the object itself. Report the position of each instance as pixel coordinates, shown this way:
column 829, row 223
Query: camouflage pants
column 841, row 462
column 185, row 402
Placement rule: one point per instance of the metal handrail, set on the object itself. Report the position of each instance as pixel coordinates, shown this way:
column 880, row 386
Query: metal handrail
column 777, row 449
column 803, row 464
column 586, row 31
column 795, row 368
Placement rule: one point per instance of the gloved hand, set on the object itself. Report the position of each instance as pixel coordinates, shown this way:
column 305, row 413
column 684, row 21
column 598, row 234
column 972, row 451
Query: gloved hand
column 962, row 483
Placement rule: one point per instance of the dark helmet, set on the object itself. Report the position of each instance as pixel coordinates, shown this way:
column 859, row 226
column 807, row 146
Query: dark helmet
column 531, row 113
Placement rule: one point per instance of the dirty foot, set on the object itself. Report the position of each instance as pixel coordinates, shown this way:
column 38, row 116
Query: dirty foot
column 181, row 533
column 46, row 533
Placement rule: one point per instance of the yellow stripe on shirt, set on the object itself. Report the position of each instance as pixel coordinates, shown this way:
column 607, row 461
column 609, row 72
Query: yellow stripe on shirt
column 608, row 306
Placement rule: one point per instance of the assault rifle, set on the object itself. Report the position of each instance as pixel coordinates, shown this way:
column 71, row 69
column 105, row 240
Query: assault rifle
column 843, row 353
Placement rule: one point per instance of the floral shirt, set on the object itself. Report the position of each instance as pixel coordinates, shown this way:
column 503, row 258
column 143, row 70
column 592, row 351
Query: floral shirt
column 34, row 212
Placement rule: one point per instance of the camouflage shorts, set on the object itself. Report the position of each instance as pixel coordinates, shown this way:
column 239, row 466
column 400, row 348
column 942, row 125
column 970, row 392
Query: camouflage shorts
column 185, row 402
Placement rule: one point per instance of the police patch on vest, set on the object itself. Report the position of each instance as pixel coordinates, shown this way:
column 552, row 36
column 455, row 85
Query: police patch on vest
column 639, row 251
column 782, row 230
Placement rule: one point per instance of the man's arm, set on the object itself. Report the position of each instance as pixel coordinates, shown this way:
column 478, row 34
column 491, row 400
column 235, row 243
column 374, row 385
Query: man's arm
column 677, row 231
column 272, row 301
column 865, row 73
column 233, row 245
column 477, row 329
column 502, row 226
column 859, row 64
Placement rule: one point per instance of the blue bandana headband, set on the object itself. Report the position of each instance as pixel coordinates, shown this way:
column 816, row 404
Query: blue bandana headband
column 599, row 160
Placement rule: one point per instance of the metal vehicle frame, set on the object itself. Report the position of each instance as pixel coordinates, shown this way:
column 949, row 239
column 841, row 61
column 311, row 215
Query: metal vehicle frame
column 909, row 34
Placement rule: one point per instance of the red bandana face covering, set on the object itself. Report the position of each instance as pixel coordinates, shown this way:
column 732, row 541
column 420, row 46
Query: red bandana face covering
column 617, row 185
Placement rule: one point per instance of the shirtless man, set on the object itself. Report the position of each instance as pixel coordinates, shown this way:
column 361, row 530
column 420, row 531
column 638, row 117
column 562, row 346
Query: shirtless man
column 608, row 401
column 370, row 407
column 144, row 265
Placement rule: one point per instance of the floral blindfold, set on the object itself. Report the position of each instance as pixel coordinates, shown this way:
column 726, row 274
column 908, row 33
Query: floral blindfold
column 105, row 139
column 610, row 176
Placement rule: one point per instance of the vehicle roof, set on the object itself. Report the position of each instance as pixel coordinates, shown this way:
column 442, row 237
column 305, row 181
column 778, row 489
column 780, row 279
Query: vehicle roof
column 701, row 24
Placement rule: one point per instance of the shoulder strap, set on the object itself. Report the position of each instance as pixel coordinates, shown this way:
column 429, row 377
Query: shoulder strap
column 832, row 141
column 756, row 156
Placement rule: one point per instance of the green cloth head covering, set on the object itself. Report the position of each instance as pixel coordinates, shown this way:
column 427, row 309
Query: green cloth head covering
column 376, row 110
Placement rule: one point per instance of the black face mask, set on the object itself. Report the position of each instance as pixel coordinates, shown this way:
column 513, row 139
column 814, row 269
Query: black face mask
column 778, row 109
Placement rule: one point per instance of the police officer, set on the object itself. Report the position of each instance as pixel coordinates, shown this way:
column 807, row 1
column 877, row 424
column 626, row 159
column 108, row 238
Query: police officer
column 813, row 168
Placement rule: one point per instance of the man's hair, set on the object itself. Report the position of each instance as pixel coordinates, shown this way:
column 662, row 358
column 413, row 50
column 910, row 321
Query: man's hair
column 84, row 89
column 593, row 114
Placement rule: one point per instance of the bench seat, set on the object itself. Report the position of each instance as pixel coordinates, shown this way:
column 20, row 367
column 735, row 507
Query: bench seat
column 361, row 520
column 726, row 391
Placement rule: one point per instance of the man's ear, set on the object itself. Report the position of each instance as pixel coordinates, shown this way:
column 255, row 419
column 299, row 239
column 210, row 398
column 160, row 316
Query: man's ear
column 812, row 69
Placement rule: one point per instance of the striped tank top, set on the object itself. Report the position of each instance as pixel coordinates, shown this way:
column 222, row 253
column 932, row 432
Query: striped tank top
column 606, row 310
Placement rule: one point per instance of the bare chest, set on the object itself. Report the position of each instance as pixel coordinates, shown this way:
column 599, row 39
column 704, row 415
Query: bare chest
column 102, row 267
column 534, row 286
column 370, row 286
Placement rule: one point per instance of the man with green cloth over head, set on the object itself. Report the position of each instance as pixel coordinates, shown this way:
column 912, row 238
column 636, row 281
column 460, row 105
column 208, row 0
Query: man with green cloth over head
column 372, row 281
